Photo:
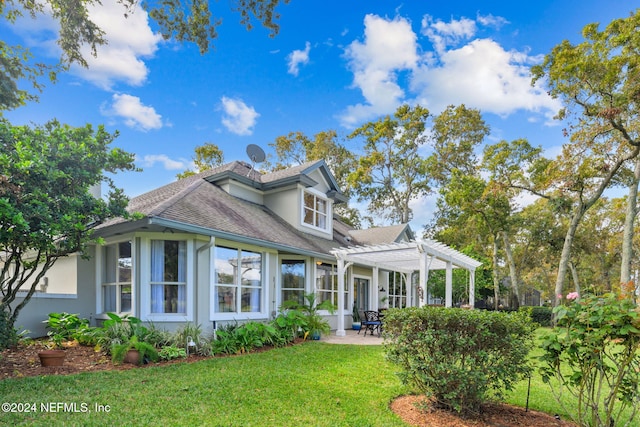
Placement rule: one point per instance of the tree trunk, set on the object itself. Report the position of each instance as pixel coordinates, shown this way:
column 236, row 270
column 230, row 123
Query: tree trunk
column 574, row 275
column 496, row 281
column 629, row 220
column 515, row 283
column 566, row 251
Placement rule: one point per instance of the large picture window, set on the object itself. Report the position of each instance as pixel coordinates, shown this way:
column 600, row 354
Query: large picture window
column 238, row 281
column 116, row 283
column 168, row 276
column 315, row 211
column 293, row 274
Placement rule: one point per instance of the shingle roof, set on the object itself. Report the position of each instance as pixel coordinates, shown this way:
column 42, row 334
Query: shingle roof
column 378, row 235
column 196, row 202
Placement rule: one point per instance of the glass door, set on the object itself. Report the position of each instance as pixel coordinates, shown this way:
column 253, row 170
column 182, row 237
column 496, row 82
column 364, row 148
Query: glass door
column 361, row 293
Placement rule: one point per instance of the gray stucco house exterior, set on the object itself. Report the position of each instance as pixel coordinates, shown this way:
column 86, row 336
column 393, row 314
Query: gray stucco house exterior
column 231, row 244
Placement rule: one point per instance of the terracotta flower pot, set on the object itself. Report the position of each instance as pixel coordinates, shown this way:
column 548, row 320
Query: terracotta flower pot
column 52, row 357
column 133, row 357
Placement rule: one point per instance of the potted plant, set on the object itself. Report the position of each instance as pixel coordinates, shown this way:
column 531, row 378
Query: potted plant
column 315, row 324
column 61, row 328
column 133, row 351
column 356, row 324
column 54, row 354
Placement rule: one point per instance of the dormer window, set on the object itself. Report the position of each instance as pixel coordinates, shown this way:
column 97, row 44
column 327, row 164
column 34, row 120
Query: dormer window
column 315, row 212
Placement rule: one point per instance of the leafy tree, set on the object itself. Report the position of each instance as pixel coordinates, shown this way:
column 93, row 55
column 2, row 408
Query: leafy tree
column 598, row 82
column 184, row 21
column 46, row 209
column 391, row 172
column 297, row 148
column 207, row 156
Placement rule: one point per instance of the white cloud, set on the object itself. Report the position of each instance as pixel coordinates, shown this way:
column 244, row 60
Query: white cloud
column 135, row 114
column 492, row 21
column 442, row 34
column 458, row 70
column 483, row 75
column 298, row 57
column 120, row 60
column 238, row 117
column 169, row 164
column 389, row 47
column 129, row 40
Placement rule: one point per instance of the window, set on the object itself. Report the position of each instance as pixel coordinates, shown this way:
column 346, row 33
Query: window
column 116, row 283
column 168, row 276
column 293, row 279
column 327, row 283
column 315, row 211
column 397, row 290
column 238, row 281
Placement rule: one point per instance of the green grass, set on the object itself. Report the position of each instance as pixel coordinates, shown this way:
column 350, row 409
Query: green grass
column 314, row 384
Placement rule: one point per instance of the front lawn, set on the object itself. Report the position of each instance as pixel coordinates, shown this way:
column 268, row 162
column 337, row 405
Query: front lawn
column 310, row 384
column 313, row 383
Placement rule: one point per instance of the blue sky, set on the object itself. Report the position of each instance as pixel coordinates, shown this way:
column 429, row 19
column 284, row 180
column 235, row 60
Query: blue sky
column 334, row 65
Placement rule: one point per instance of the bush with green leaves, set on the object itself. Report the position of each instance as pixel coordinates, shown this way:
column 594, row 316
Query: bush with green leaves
column 459, row 358
column 64, row 325
column 172, row 352
column 539, row 314
column 594, row 353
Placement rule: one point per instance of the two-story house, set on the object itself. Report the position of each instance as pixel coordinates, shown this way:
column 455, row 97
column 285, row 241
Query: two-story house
column 231, row 244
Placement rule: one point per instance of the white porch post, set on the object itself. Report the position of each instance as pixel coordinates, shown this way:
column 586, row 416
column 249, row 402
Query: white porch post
column 422, row 280
column 472, row 288
column 376, row 285
column 448, row 297
column 341, row 270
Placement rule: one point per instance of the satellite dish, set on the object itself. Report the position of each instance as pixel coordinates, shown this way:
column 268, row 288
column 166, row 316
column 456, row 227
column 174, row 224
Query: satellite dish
column 255, row 153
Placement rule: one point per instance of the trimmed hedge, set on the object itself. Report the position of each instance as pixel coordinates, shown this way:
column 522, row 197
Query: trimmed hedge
column 541, row 315
column 460, row 358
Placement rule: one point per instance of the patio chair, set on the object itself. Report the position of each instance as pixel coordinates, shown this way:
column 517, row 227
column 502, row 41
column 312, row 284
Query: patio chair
column 371, row 322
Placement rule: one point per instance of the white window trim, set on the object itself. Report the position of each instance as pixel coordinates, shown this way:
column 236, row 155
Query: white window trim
column 262, row 314
column 99, row 263
column 145, row 279
column 329, row 212
column 309, row 282
column 334, row 271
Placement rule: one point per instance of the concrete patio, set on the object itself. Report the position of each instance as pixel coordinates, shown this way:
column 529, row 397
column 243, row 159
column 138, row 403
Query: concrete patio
column 352, row 337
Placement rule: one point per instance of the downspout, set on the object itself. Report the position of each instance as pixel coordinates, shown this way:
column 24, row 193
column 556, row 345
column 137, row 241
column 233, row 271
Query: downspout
column 209, row 245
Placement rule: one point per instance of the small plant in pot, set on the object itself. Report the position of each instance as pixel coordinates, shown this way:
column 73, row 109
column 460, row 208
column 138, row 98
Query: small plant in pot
column 61, row 328
column 54, row 354
column 128, row 340
column 315, row 324
column 133, row 351
column 356, row 324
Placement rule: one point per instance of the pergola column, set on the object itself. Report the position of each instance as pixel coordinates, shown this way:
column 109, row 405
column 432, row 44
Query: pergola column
column 422, row 279
column 472, row 288
column 448, row 293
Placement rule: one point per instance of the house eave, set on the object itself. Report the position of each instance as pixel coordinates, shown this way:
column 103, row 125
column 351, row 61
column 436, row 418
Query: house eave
column 190, row 228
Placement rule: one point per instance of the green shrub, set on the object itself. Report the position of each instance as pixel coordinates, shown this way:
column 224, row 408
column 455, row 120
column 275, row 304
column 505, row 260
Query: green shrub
column 460, row 358
column 541, row 315
column 64, row 325
column 172, row 352
column 595, row 354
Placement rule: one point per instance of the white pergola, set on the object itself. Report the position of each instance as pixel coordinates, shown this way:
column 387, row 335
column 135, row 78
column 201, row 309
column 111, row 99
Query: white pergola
column 405, row 257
